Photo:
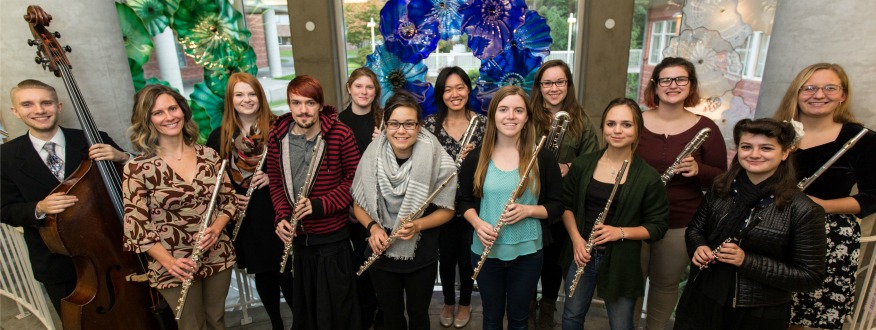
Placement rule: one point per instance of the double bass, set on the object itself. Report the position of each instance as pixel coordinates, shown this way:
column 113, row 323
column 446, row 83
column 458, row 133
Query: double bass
column 111, row 288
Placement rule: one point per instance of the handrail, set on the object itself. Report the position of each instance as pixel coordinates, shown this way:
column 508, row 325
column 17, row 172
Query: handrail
column 864, row 316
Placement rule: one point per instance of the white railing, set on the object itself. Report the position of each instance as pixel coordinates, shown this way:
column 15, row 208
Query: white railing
column 864, row 316
column 17, row 281
column 241, row 296
column 468, row 62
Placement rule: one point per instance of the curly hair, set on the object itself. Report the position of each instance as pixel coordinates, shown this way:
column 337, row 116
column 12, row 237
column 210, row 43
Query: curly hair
column 144, row 135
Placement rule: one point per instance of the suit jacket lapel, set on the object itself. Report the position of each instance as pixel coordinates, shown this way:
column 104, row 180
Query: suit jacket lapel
column 30, row 164
column 77, row 147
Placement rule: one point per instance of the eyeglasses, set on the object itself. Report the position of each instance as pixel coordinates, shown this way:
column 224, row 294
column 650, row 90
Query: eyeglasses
column 408, row 125
column 548, row 83
column 680, row 81
column 827, row 89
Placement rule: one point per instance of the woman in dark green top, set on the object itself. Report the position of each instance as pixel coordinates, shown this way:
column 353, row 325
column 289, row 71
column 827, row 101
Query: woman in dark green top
column 638, row 212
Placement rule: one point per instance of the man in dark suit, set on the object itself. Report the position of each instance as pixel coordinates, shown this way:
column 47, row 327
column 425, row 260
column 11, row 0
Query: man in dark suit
column 31, row 166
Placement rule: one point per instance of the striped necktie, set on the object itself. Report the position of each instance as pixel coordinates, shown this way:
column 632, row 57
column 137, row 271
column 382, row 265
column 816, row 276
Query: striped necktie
column 56, row 165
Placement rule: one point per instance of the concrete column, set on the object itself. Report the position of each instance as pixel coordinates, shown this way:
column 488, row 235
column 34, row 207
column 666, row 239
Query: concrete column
column 601, row 57
column 168, row 59
column 316, row 28
column 753, row 53
column 272, row 43
column 99, row 62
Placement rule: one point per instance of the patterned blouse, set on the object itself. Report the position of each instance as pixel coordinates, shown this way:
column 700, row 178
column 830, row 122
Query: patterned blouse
column 451, row 145
column 161, row 208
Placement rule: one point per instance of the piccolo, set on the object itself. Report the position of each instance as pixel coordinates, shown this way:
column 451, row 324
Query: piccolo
column 732, row 239
column 196, row 252
column 312, row 168
column 803, row 184
column 600, row 219
column 238, row 217
column 466, row 138
column 689, row 149
column 514, row 194
column 402, row 222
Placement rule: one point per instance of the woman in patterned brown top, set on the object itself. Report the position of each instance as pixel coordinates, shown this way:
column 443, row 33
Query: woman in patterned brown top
column 167, row 191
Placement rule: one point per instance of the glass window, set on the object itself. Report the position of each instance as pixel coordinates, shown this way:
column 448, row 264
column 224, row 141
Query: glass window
column 560, row 15
column 661, row 33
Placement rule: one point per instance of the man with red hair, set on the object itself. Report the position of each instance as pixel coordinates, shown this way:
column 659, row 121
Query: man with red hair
column 324, row 282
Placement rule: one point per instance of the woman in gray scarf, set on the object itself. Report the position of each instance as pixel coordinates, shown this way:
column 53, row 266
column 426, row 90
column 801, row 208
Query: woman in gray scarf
column 397, row 173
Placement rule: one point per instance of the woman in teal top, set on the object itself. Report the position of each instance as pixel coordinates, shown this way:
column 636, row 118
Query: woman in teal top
column 487, row 178
column 638, row 212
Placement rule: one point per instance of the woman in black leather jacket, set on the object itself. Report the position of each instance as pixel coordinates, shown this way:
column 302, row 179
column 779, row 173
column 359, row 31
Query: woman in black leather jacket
column 748, row 283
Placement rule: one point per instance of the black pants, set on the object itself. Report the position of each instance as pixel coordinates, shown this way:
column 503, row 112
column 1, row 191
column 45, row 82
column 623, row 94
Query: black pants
column 268, row 285
column 455, row 247
column 414, row 289
column 325, row 288
column 551, row 272
column 58, row 291
column 367, row 297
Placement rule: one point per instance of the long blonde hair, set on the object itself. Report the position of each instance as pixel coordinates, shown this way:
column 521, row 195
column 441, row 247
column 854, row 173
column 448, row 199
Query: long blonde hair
column 231, row 121
column 144, row 136
column 525, row 144
column 789, row 109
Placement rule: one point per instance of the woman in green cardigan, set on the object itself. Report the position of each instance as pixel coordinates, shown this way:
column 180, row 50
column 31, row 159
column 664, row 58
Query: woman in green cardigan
column 638, row 212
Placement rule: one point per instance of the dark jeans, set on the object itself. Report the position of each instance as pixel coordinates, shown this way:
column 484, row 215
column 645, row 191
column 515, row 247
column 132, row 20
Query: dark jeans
column 454, row 244
column 551, row 272
column 398, row 293
column 620, row 311
column 508, row 285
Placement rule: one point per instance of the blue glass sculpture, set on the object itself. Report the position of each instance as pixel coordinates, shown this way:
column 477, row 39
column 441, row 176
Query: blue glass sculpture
column 490, row 24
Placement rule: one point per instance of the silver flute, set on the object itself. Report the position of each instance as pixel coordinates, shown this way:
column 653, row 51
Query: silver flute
column 732, row 239
column 466, row 138
column 558, row 131
column 196, row 252
column 514, row 194
column 588, row 246
column 238, row 217
column 803, row 184
column 315, row 159
column 689, row 149
column 402, row 222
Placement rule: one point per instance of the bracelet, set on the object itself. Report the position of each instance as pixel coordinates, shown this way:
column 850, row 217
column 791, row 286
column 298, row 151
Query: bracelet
column 622, row 233
column 368, row 227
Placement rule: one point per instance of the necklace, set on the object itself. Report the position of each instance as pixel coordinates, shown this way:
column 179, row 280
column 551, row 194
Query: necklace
column 612, row 169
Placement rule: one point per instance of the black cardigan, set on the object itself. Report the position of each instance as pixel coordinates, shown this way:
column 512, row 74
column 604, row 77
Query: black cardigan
column 550, row 194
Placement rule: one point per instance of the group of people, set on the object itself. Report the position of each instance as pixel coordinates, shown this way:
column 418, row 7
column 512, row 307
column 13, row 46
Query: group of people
column 341, row 186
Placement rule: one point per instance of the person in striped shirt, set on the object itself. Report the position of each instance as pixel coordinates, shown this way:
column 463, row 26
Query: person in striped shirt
column 324, row 284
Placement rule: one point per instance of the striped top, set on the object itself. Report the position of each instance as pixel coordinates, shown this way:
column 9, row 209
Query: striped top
column 330, row 195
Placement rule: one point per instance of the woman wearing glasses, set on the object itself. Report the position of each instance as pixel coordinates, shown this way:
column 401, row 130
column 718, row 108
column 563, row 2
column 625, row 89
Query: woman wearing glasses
column 819, row 98
column 509, row 276
column 668, row 129
column 397, row 173
column 552, row 92
column 453, row 87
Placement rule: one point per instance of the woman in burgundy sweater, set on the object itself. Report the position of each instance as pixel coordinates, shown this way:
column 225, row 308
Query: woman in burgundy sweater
column 668, row 128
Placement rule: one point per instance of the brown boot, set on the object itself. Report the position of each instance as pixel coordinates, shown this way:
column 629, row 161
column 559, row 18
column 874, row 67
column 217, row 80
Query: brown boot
column 546, row 315
column 533, row 312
